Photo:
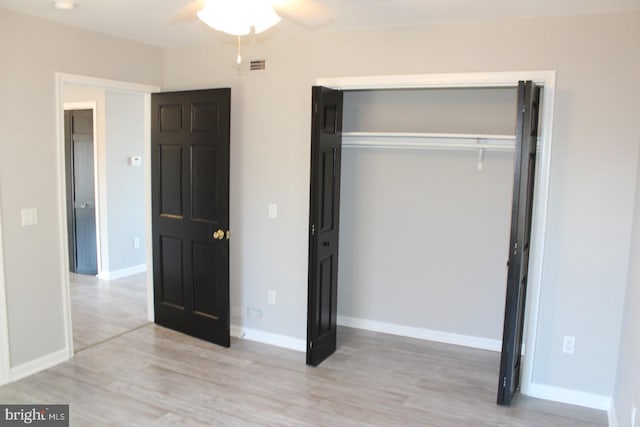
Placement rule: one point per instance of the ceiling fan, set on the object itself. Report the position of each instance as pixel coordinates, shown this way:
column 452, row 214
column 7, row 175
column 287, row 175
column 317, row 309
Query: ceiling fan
column 241, row 17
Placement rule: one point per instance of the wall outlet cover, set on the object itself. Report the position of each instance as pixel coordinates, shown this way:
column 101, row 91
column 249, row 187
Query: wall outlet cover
column 568, row 344
column 254, row 313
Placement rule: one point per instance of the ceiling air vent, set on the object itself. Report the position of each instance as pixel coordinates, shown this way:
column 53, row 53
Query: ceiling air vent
column 259, row 64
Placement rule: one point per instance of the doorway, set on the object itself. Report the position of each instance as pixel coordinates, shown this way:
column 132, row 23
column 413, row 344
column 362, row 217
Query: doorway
column 547, row 79
column 109, row 207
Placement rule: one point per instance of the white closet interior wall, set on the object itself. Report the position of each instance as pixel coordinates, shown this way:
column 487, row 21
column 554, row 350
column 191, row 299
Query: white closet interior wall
column 424, row 233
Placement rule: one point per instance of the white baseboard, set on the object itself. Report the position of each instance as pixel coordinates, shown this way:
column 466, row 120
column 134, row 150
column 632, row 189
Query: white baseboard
column 421, row 333
column 277, row 340
column 117, row 274
column 39, row 364
column 572, row 397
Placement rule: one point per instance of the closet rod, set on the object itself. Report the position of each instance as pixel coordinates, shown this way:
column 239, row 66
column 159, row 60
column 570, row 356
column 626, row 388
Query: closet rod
column 434, row 141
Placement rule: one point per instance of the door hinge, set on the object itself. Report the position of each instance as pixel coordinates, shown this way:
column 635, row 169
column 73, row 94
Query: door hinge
column 515, row 248
column 228, row 234
column 315, row 108
column 310, row 344
column 313, row 230
column 504, row 382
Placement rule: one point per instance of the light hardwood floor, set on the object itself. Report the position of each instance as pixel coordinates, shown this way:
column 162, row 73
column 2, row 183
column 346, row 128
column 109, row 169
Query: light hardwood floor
column 103, row 309
column 155, row 376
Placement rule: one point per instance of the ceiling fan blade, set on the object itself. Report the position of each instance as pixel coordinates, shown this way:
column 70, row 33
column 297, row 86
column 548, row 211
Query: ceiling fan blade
column 188, row 12
column 309, row 13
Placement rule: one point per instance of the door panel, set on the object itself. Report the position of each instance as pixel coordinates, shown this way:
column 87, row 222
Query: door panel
column 81, row 213
column 326, row 149
column 170, row 180
column 172, row 271
column 205, row 197
column 521, row 215
column 206, row 298
column 190, row 211
column 325, row 289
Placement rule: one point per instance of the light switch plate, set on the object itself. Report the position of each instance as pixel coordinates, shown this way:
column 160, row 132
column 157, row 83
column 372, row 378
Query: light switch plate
column 273, row 210
column 29, row 216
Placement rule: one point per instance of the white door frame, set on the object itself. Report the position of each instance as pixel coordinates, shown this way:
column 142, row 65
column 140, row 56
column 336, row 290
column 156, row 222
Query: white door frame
column 543, row 167
column 5, row 356
column 61, row 79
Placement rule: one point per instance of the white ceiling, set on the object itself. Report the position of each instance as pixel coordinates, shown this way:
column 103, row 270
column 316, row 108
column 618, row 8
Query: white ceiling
column 166, row 22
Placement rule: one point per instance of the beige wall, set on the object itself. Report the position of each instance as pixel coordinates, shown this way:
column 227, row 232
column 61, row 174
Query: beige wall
column 32, row 51
column 595, row 144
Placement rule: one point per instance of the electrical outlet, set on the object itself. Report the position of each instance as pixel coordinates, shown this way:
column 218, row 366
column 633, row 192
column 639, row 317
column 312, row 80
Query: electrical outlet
column 634, row 411
column 271, row 297
column 254, row 313
column 568, row 344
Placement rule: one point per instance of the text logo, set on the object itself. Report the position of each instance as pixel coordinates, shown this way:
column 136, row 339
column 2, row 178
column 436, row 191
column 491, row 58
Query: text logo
column 34, row 415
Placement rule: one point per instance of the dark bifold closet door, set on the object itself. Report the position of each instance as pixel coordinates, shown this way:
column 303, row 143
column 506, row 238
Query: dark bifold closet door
column 326, row 149
column 81, row 202
column 521, row 214
column 190, row 211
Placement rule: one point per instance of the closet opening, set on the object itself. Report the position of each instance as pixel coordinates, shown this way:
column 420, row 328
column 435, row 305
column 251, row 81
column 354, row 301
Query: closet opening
column 424, row 185
column 425, row 202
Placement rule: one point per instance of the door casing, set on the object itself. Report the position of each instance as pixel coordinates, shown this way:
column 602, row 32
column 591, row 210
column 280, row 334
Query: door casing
column 547, row 79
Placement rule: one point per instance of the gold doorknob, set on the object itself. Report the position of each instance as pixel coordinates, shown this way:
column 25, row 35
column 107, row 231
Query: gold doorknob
column 218, row 234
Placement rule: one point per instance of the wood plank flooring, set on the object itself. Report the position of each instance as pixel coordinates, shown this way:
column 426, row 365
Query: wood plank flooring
column 154, row 376
column 128, row 372
column 103, row 309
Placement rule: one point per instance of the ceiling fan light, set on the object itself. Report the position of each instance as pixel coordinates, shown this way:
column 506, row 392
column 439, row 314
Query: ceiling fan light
column 224, row 16
column 236, row 17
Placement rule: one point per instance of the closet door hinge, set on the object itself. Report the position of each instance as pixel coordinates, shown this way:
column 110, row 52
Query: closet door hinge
column 515, row 248
column 315, row 108
column 313, row 229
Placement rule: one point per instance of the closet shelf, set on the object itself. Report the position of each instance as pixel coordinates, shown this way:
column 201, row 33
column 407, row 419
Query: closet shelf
column 432, row 141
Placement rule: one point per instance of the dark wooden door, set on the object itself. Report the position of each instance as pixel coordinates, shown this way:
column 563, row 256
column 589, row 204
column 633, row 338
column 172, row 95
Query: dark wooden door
column 190, row 211
column 81, row 202
column 326, row 152
column 521, row 214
